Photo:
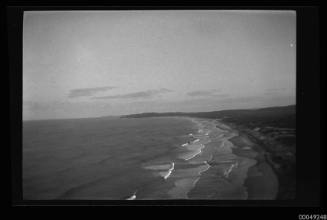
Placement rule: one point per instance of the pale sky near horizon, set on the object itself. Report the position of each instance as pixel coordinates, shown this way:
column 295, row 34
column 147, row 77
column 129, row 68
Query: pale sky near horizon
column 98, row 63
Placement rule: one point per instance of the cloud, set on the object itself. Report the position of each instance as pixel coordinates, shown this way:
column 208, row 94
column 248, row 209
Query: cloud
column 64, row 109
column 142, row 94
column 211, row 92
column 75, row 93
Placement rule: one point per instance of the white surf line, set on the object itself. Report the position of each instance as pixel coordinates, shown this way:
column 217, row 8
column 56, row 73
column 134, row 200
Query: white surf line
column 195, row 181
column 196, row 140
column 208, row 166
column 226, row 173
column 198, row 152
column 169, row 171
column 133, row 197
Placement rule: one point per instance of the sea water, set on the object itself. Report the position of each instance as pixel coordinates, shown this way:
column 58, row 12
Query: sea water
column 105, row 158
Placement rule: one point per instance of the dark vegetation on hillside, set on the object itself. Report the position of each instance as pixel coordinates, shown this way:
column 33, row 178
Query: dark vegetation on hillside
column 273, row 116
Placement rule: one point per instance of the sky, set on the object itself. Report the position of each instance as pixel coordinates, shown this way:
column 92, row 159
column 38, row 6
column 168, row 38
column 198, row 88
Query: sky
column 80, row 64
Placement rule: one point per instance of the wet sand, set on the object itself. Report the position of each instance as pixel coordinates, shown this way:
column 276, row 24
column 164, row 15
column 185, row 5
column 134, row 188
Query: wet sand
column 237, row 170
column 212, row 170
column 261, row 183
column 187, row 174
column 217, row 163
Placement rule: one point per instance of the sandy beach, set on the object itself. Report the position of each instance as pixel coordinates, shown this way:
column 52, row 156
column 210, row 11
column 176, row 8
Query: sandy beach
column 227, row 165
column 217, row 162
column 261, row 183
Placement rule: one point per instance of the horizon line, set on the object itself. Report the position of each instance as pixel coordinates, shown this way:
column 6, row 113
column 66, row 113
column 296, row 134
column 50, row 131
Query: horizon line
column 119, row 116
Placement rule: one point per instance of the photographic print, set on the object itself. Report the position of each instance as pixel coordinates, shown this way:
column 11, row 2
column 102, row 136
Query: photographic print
column 159, row 105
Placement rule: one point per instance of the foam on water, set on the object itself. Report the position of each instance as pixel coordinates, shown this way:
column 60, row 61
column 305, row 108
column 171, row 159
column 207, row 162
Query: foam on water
column 158, row 167
column 196, row 140
column 88, row 154
column 194, row 153
column 133, row 197
column 229, row 170
column 208, row 166
column 165, row 170
column 169, row 171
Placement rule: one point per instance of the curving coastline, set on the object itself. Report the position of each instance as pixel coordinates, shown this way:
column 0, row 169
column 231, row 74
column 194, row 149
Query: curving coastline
column 219, row 163
column 251, row 153
column 238, row 169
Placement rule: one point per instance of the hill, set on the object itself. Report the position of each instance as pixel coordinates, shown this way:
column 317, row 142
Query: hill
column 283, row 116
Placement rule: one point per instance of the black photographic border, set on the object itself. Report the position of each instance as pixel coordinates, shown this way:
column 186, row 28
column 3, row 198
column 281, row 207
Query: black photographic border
column 309, row 120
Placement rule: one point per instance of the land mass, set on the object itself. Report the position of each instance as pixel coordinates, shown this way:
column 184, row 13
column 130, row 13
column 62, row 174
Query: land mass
column 271, row 129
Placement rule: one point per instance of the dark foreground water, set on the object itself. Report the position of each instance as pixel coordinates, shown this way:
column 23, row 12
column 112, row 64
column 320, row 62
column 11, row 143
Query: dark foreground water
column 102, row 158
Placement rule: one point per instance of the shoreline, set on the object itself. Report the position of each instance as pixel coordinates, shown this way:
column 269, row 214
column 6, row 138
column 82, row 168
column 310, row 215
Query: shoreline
column 262, row 181
column 186, row 176
column 225, row 177
column 251, row 171
column 219, row 162
column 182, row 173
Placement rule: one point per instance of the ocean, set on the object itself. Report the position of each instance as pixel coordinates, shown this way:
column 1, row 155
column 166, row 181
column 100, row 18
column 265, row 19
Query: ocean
column 106, row 158
column 158, row 158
